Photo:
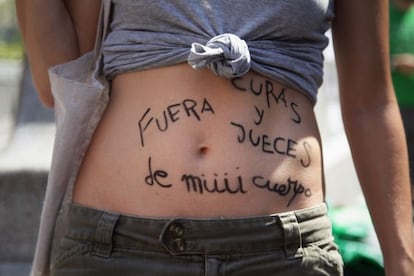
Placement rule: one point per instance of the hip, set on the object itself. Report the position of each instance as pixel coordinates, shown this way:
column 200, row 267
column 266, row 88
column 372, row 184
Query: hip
column 291, row 243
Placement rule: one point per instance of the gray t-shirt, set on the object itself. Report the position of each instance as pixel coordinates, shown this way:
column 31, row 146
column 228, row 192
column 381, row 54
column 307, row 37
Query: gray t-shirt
column 280, row 39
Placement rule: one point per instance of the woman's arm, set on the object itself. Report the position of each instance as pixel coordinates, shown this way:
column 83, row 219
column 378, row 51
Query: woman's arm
column 55, row 31
column 373, row 126
column 403, row 63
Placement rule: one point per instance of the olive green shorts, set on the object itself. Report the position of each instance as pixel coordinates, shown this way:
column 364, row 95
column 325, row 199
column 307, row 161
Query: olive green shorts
column 105, row 243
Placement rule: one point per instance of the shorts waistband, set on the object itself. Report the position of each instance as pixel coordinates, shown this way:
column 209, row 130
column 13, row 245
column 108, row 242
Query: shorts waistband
column 288, row 231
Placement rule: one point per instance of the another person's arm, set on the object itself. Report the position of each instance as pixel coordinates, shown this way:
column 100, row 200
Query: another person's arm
column 403, row 63
column 373, row 126
column 55, row 31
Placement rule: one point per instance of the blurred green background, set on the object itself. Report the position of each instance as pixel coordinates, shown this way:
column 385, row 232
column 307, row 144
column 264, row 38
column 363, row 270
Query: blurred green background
column 11, row 46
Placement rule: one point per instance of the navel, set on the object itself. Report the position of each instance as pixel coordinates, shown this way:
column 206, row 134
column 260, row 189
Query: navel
column 203, row 150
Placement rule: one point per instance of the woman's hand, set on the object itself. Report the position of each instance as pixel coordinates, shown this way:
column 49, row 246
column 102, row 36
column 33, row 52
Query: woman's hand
column 403, row 63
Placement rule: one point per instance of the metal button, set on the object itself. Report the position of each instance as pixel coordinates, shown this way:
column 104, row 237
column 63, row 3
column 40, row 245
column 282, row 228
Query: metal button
column 178, row 244
column 177, row 229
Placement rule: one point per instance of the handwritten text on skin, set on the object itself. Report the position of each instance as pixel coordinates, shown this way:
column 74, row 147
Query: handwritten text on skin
column 223, row 184
column 247, row 133
column 188, row 108
column 270, row 144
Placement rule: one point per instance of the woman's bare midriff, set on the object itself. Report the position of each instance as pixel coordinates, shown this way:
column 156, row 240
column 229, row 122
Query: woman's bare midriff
column 181, row 142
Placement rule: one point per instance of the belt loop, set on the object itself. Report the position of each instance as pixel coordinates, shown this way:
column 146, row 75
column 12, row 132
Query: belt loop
column 103, row 235
column 292, row 235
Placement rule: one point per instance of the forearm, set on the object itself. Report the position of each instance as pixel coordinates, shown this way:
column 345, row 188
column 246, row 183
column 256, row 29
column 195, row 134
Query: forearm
column 49, row 38
column 378, row 147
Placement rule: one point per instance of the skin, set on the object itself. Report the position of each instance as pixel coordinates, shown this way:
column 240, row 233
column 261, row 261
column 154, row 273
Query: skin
column 403, row 62
column 367, row 100
column 369, row 106
column 67, row 29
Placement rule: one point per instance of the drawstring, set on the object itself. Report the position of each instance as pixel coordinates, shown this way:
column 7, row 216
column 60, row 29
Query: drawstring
column 227, row 55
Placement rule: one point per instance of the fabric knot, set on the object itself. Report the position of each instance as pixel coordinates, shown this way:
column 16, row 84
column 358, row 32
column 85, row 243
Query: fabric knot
column 227, row 55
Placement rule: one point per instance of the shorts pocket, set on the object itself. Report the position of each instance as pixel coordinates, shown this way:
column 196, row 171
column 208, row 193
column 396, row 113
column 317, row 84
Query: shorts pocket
column 68, row 249
column 325, row 258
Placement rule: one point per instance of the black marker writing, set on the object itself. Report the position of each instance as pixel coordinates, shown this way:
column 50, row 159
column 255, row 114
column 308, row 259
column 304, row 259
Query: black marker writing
column 292, row 188
column 237, row 85
column 261, row 114
column 273, row 145
column 266, row 87
column 297, row 118
column 199, row 184
column 156, row 177
column 171, row 114
column 278, row 144
column 142, row 129
column 256, row 91
column 305, row 163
